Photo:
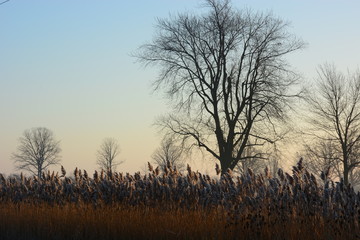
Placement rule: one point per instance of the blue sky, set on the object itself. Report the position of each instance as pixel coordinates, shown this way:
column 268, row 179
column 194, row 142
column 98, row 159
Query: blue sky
column 67, row 66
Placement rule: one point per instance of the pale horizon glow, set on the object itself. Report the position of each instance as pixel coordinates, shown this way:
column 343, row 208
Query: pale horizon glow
column 67, row 66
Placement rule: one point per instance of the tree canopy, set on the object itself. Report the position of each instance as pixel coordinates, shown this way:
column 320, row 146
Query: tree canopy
column 226, row 74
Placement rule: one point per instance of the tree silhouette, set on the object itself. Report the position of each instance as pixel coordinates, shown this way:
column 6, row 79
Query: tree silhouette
column 227, row 77
column 106, row 155
column 335, row 107
column 38, row 150
column 170, row 153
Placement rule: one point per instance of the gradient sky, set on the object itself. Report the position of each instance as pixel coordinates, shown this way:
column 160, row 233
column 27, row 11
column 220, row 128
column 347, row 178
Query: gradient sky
column 67, row 66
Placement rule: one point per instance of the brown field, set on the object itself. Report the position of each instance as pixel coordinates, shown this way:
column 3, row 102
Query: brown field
column 175, row 206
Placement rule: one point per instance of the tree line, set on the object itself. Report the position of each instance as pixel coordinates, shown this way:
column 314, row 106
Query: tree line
column 226, row 74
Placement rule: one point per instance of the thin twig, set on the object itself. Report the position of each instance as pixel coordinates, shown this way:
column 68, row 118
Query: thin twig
column 4, row 2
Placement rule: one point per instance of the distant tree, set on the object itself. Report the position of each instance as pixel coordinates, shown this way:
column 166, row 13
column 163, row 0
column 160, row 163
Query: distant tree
column 38, row 150
column 252, row 159
column 226, row 73
column 169, row 152
column 324, row 155
column 321, row 155
column 257, row 160
column 335, row 107
column 106, row 155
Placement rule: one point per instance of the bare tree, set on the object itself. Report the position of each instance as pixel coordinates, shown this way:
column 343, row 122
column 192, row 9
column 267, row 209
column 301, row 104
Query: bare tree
column 325, row 156
column 336, row 115
column 226, row 74
column 38, row 150
column 320, row 156
column 168, row 152
column 259, row 159
column 252, row 160
column 106, row 155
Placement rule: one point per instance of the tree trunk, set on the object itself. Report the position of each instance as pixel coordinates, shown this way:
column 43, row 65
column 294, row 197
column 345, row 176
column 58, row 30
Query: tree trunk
column 225, row 161
column 39, row 173
column 346, row 173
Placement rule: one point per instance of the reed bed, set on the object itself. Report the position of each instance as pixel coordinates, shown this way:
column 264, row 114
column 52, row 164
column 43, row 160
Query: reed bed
column 171, row 205
column 109, row 222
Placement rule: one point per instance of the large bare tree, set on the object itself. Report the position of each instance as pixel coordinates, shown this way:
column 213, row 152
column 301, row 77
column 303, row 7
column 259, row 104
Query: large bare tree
column 226, row 74
column 169, row 152
column 38, row 150
column 106, row 155
column 335, row 108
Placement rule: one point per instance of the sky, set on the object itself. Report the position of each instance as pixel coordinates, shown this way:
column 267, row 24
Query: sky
column 68, row 66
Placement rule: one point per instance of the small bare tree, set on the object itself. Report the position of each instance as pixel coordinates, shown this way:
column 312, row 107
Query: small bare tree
column 259, row 159
column 106, row 155
column 252, row 159
column 38, row 150
column 320, row 156
column 169, row 152
column 335, row 107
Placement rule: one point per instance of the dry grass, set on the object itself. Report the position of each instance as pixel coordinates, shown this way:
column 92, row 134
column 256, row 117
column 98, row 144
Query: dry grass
column 175, row 206
column 20, row 221
column 71, row 221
